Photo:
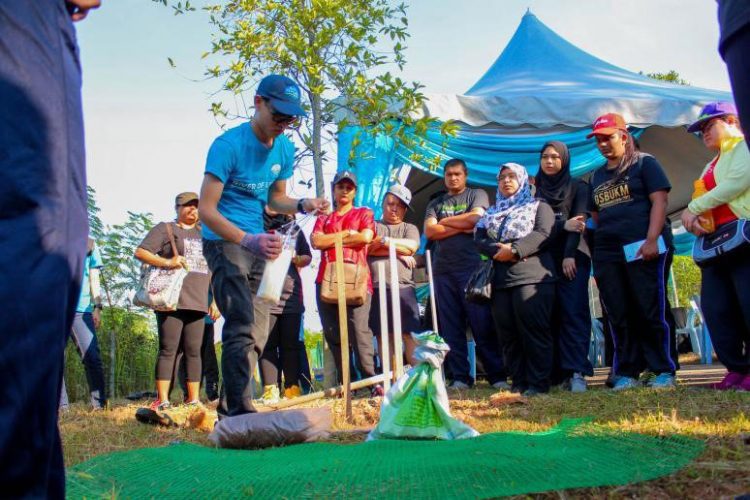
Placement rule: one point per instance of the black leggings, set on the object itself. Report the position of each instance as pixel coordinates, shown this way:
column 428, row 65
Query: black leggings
column 282, row 350
column 175, row 328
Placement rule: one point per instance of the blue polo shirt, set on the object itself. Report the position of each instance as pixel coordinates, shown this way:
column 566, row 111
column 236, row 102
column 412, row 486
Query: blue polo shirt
column 247, row 168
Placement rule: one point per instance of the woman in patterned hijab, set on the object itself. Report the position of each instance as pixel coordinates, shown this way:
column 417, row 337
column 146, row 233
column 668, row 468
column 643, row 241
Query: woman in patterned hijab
column 513, row 233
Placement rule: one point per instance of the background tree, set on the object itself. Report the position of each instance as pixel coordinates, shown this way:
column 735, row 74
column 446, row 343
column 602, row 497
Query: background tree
column 339, row 53
column 670, row 76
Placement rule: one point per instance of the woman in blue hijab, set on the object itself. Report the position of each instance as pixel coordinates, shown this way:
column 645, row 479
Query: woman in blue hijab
column 513, row 233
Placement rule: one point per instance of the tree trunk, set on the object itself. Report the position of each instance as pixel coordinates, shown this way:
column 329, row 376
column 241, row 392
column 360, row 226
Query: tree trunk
column 317, row 128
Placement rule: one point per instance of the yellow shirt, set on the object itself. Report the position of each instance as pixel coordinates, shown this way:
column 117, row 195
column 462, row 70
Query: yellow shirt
column 732, row 174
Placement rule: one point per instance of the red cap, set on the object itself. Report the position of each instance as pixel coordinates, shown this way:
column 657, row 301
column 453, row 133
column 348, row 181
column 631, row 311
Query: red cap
column 607, row 125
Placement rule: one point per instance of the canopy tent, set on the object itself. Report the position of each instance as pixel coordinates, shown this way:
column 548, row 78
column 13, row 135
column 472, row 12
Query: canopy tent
column 540, row 88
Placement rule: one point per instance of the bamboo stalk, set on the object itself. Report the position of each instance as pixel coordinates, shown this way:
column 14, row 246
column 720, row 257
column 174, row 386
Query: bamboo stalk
column 385, row 355
column 343, row 327
column 327, row 393
column 430, row 279
column 398, row 349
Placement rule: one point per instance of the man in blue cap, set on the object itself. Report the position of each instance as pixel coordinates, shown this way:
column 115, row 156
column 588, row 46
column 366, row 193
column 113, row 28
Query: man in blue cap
column 247, row 167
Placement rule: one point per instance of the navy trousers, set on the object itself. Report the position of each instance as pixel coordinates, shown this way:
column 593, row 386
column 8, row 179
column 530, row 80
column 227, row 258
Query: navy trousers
column 725, row 301
column 454, row 314
column 572, row 321
column 634, row 295
column 738, row 65
column 43, row 230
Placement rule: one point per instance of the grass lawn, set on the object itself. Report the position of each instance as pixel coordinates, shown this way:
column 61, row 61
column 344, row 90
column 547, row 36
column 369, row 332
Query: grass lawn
column 720, row 419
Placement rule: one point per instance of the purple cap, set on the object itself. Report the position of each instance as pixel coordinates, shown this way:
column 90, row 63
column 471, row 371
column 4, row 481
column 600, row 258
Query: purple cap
column 710, row 111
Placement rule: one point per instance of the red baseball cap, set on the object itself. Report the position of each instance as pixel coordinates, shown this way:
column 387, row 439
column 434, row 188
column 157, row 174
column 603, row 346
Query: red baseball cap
column 607, row 125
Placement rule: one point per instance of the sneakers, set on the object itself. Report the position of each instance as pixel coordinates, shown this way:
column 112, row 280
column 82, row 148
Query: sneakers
column 457, row 385
column 377, row 391
column 624, row 383
column 662, row 381
column 501, row 385
column 194, row 404
column 292, row 392
column 270, row 394
column 577, row 383
column 731, row 380
column 158, row 405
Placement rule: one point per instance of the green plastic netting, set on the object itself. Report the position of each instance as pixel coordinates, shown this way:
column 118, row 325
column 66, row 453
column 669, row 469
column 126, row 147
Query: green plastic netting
column 568, row 456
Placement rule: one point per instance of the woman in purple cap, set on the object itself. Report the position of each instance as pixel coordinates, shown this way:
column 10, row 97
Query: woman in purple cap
column 725, row 283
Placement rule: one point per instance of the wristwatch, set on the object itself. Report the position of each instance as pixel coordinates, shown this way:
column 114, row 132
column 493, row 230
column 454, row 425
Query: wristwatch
column 514, row 251
column 301, row 206
column 98, row 306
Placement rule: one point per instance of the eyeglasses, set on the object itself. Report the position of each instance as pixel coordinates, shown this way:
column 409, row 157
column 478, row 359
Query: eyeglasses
column 511, row 177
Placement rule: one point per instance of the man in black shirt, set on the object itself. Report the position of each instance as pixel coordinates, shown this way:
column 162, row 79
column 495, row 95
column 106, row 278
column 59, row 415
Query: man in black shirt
column 449, row 222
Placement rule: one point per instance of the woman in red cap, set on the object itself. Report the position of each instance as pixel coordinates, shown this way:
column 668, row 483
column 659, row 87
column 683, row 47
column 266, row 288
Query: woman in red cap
column 725, row 279
column 357, row 227
column 632, row 254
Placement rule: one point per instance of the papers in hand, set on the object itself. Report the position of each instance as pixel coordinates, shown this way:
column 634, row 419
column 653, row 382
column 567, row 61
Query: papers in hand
column 631, row 249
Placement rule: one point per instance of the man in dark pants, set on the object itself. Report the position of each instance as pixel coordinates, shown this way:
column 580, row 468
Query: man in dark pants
column 734, row 46
column 43, row 227
column 246, row 167
column 449, row 221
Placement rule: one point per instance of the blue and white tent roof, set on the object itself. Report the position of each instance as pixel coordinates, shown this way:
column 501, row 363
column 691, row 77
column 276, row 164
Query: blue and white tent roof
column 541, row 80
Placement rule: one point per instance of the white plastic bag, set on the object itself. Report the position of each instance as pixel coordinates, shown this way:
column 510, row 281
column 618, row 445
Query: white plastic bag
column 276, row 270
column 416, row 406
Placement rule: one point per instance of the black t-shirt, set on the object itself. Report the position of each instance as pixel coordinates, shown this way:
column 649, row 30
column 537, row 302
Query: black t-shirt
column 564, row 243
column 457, row 253
column 624, row 206
column 194, row 293
column 291, row 294
column 404, row 231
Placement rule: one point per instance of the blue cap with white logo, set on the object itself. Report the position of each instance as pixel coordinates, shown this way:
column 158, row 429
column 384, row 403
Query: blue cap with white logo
column 283, row 94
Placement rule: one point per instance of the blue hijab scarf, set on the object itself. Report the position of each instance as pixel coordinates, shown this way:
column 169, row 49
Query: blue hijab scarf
column 513, row 217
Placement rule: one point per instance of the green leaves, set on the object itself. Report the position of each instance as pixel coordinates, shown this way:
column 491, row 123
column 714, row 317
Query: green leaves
column 340, row 52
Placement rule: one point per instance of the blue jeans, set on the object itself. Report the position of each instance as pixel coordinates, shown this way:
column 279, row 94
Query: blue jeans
column 454, row 314
column 84, row 336
column 235, row 277
column 43, row 229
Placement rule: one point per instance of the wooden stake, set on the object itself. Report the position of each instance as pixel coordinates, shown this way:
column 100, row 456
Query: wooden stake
column 433, row 305
column 343, row 328
column 398, row 349
column 385, row 355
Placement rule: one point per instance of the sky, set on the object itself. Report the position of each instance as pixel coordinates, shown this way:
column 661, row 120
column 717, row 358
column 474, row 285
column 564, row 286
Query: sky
column 148, row 125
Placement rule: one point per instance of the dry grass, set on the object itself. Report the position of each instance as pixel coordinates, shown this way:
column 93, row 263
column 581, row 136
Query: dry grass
column 721, row 419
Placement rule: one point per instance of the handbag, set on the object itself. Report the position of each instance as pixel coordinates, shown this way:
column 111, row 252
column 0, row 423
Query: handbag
column 478, row 289
column 159, row 288
column 355, row 284
column 726, row 239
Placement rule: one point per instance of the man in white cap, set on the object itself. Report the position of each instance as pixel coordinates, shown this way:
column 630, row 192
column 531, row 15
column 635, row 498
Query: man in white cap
column 392, row 230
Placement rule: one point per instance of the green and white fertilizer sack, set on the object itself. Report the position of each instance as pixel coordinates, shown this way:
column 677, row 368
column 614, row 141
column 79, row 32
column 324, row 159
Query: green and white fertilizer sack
column 416, row 406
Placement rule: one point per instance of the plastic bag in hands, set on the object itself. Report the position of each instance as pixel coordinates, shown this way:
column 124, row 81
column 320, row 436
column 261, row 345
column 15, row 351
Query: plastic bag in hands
column 479, row 287
column 416, row 406
column 275, row 271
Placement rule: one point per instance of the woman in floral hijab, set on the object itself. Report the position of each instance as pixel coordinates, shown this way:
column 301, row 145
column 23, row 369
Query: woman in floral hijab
column 513, row 233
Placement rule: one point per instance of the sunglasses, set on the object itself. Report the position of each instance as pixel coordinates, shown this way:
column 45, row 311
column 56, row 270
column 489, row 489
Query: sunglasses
column 281, row 118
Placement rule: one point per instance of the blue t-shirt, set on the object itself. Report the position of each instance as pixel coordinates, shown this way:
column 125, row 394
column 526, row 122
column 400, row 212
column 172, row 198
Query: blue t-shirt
column 247, row 169
column 93, row 260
